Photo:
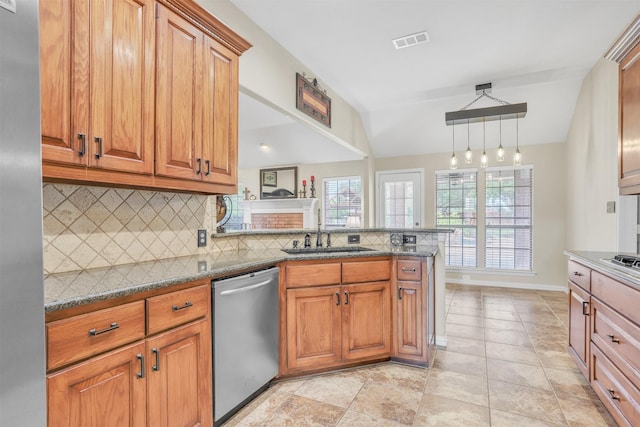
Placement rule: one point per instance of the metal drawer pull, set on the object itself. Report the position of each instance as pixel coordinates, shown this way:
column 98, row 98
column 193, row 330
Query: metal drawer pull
column 98, row 140
column 612, row 392
column 83, row 144
column 93, row 332
column 156, row 353
column 337, row 298
column 614, row 339
column 399, row 293
column 409, row 270
column 140, row 357
column 575, row 273
column 199, row 171
column 585, row 308
column 186, row 305
column 346, row 298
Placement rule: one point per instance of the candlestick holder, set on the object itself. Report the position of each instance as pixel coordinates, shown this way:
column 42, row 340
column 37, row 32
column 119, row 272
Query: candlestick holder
column 304, row 191
column 313, row 190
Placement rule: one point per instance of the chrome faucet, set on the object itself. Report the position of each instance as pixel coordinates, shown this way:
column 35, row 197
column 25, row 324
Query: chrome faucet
column 319, row 238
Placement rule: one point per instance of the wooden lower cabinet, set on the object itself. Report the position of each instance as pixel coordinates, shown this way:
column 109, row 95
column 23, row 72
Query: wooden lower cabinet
column 106, row 390
column 161, row 379
column 579, row 335
column 179, row 377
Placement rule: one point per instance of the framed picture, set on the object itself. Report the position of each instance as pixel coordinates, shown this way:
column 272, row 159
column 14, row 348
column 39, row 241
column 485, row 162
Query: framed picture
column 269, row 178
column 279, row 183
column 312, row 100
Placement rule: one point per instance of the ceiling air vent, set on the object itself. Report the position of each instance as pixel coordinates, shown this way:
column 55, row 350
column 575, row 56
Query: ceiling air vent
column 411, row 40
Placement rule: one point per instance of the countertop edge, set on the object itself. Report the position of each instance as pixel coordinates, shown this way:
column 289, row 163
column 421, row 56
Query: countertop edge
column 593, row 259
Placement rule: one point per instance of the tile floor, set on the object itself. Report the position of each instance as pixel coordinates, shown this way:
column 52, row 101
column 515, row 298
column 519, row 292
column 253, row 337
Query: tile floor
column 505, row 364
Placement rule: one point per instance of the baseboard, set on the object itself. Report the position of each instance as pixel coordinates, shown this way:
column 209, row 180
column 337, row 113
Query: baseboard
column 513, row 285
column 441, row 341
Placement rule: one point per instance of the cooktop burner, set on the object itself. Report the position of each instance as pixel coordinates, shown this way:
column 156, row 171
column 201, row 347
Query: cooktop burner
column 627, row 261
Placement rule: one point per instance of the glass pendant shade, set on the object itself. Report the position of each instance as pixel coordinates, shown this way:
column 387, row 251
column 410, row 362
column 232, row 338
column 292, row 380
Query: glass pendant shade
column 453, row 164
column 484, row 160
column 468, row 155
column 517, row 158
column 500, row 153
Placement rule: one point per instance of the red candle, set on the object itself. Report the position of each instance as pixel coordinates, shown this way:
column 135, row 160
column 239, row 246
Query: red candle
column 313, row 178
column 304, row 182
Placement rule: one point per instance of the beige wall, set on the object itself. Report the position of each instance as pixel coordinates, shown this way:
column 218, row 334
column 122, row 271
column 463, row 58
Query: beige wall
column 548, row 162
column 592, row 162
column 268, row 72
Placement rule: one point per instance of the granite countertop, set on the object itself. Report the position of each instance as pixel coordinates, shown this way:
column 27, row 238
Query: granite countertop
column 599, row 261
column 64, row 290
column 334, row 231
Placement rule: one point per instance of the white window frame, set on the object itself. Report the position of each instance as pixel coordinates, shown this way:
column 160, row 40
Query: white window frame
column 325, row 199
column 380, row 199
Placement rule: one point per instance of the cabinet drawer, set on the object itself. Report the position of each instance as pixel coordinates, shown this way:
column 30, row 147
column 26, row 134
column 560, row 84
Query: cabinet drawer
column 409, row 270
column 580, row 275
column 618, row 339
column 177, row 308
column 623, row 298
column 621, row 398
column 365, row 271
column 79, row 337
column 299, row 276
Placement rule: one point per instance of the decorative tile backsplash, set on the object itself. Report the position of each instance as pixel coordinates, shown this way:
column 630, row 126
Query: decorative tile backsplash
column 88, row 227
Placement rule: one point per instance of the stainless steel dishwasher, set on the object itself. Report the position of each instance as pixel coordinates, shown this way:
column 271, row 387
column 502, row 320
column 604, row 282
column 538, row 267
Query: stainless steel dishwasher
column 245, row 339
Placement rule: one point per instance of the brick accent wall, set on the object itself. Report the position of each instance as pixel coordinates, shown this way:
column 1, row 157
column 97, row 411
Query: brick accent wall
column 276, row 220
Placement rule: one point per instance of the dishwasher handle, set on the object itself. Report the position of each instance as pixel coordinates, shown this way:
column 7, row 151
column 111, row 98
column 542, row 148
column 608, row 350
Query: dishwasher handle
column 246, row 288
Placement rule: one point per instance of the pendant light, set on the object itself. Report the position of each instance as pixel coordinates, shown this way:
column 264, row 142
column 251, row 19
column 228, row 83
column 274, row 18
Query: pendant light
column 453, row 163
column 500, row 152
column 517, row 157
column 483, row 160
column 468, row 155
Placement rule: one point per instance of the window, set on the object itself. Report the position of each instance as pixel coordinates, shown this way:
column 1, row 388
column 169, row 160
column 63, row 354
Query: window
column 342, row 199
column 456, row 208
column 508, row 218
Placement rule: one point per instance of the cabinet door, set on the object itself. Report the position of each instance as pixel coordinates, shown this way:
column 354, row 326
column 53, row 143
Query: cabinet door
column 107, row 390
column 313, row 327
column 179, row 377
column 366, row 320
column 409, row 320
column 579, row 335
column 179, row 97
column 629, row 124
column 122, row 53
column 220, row 121
column 64, row 77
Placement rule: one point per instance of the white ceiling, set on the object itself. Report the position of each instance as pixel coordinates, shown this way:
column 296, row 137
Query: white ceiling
column 534, row 51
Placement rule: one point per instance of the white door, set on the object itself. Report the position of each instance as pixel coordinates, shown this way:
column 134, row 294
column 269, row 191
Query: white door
column 399, row 198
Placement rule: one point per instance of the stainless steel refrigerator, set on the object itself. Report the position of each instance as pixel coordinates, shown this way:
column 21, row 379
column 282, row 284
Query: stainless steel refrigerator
column 22, row 362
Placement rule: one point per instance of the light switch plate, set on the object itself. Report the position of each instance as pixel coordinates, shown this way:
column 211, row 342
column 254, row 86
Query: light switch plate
column 611, row 207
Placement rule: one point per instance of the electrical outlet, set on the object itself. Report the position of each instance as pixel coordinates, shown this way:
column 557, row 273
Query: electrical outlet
column 409, row 239
column 611, row 207
column 202, row 238
column 353, row 238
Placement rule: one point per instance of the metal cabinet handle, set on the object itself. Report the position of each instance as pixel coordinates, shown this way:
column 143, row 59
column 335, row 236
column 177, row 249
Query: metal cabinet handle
column 98, row 140
column 156, row 353
column 613, row 338
column 585, row 308
column 83, row 144
column 612, row 392
column 208, row 163
column 199, row 171
column 112, row 327
column 337, row 298
column 399, row 293
column 346, row 298
column 409, row 270
column 140, row 357
column 186, row 305
column 575, row 273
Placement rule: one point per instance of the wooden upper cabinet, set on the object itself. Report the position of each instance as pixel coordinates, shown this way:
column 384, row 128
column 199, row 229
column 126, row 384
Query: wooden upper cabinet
column 179, row 97
column 197, row 126
column 97, row 83
column 629, row 124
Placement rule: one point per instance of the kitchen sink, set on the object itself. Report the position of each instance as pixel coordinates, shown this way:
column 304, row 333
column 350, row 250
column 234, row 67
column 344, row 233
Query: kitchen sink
column 323, row 250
